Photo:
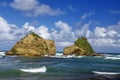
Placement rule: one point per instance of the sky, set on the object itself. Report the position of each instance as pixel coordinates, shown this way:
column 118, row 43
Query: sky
column 62, row 21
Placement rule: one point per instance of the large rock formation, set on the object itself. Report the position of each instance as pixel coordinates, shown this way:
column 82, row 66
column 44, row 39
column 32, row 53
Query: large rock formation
column 33, row 45
column 81, row 47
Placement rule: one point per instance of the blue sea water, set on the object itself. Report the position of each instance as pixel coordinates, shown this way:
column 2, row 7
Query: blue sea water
column 59, row 67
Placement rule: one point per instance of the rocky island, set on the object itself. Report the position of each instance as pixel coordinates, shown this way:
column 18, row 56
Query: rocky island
column 33, row 45
column 81, row 47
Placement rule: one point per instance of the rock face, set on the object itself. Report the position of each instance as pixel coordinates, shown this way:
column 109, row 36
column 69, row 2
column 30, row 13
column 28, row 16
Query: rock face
column 33, row 45
column 81, row 47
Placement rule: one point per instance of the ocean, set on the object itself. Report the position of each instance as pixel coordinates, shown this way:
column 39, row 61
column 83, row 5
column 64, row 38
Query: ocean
column 60, row 67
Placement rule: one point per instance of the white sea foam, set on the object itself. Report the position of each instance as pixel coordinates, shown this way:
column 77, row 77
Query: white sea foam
column 59, row 53
column 105, row 73
column 113, row 58
column 2, row 53
column 107, row 55
column 35, row 70
column 66, row 56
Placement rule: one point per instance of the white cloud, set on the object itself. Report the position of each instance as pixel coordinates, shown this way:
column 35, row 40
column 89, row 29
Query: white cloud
column 112, row 33
column 24, row 5
column 61, row 45
column 65, row 31
column 28, row 27
column 63, row 26
column 34, row 8
column 84, row 16
column 89, row 34
column 46, row 10
column 5, row 29
column 43, row 32
column 102, row 42
column 4, row 26
column 100, row 32
column 64, row 44
column 83, row 31
column 104, row 39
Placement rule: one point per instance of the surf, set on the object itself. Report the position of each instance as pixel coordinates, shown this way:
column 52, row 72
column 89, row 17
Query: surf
column 42, row 69
column 60, row 55
column 105, row 73
column 2, row 53
column 113, row 58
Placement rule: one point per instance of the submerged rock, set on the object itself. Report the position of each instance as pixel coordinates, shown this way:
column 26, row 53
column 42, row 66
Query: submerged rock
column 33, row 45
column 81, row 47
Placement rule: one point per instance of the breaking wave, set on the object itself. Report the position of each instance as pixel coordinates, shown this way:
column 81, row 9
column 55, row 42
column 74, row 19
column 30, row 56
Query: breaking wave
column 68, row 56
column 42, row 69
column 105, row 73
column 112, row 57
column 2, row 53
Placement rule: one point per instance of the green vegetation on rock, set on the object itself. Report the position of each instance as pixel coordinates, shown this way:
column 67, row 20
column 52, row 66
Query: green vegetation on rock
column 33, row 45
column 34, row 34
column 84, row 44
column 81, row 47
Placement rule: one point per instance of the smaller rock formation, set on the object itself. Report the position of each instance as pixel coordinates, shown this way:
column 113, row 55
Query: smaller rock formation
column 33, row 45
column 81, row 47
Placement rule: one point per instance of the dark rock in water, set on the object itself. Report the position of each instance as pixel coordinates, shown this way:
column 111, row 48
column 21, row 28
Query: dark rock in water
column 81, row 47
column 33, row 45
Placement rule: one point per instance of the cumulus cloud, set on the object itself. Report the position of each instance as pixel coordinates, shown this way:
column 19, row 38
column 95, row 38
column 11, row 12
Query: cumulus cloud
column 103, row 39
column 43, row 32
column 65, row 31
column 106, row 38
column 84, row 30
column 34, row 8
column 12, row 32
column 63, row 26
column 100, row 32
column 63, row 44
column 5, row 29
column 24, row 5
column 28, row 27
column 46, row 10
column 4, row 25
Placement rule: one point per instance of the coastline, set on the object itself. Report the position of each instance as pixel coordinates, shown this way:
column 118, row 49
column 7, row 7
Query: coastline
column 60, row 67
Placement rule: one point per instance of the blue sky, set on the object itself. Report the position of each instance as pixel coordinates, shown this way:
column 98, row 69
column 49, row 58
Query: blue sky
column 63, row 21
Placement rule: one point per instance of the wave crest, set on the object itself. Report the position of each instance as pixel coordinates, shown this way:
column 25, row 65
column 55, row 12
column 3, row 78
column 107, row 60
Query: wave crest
column 113, row 58
column 105, row 73
column 35, row 70
column 2, row 53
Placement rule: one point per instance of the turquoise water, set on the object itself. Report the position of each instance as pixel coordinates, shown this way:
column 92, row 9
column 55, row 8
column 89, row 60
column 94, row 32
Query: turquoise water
column 58, row 67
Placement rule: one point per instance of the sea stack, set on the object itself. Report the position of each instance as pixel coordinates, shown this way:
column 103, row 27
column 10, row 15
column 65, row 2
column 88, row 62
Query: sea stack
column 33, row 45
column 81, row 47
